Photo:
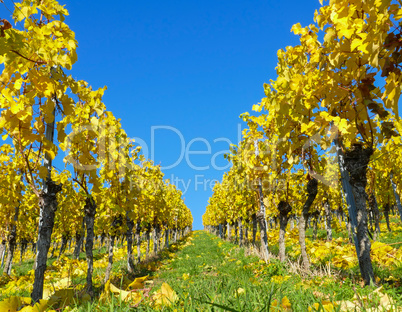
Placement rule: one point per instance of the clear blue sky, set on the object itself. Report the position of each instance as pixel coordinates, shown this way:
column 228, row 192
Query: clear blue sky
column 194, row 66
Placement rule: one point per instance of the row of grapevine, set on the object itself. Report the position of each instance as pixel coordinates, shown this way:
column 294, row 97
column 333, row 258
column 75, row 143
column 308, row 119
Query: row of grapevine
column 327, row 135
column 110, row 190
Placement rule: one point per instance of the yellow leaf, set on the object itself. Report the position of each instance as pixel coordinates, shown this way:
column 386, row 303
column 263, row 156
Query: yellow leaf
column 186, row 276
column 165, row 296
column 134, row 298
column 7, row 94
column 16, row 107
column 61, row 135
column 43, row 172
column 63, row 283
column 240, row 291
column 398, row 15
column 94, row 121
column 47, row 293
column 138, row 283
column 330, row 32
column 296, row 29
column 51, row 153
column 122, row 293
column 41, row 306
column 13, row 303
column 48, row 111
column 78, row 272
column 285, row 304
column 342, row 125
column 63, row 297
column 256, row 108
column 68, row 106
column 346, row 32
column 355, row 43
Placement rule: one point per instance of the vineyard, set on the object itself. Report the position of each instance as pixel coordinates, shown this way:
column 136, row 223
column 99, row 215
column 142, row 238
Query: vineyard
column 308, row 217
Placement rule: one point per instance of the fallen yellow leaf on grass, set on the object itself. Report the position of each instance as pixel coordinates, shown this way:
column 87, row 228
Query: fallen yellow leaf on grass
column 62, row 283
column 47, row 293
column 386, row 303
column 138, row 283
column 13, row 303
column 326, row 305
column 122, row 293
column 41, row 306
column 186, row 276
column 239, row 292
column 285, row 304
column 127, row 296
column 62, row 297
column 165, row 296
column 78, row 272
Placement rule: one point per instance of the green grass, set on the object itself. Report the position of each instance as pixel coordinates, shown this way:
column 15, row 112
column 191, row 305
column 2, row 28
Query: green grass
column 217, row 270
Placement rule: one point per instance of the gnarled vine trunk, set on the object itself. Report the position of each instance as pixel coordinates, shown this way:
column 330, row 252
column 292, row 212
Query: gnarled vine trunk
column 55, row 245
column 240, row 222
column 376, row 214
column 48, row 207
column 23, row 248
column 138, row 240
column 79, row 239
column 102, row 240
column 349, row 228
column 117, row 222
column 315, row 216
column 387, row 208
column 156, row 238
column 328, row 219
column 292, row 222
column 12, row 243
column 246, row 242
column 263, row 223
column 284, row 210
column 167, row 232
column 129, row 236
column 148, row 238
column 110, row 258
column 254, row 217
column 3, row 248
column 236, row 240
column 64, row 240
column 220, row 231
column 311, row 194
column 356, row 161
column 90, row 211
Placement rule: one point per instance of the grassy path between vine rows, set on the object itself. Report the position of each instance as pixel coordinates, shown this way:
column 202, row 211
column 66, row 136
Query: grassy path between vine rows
column 210, row 274
column 213, row 275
